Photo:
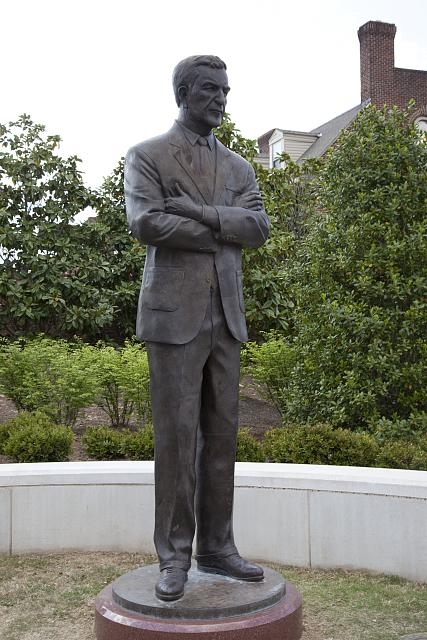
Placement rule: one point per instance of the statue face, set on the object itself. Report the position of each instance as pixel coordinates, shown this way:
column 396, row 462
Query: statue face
column 206, row 99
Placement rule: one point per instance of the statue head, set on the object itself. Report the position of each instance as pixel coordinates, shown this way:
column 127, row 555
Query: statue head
column 200, row 85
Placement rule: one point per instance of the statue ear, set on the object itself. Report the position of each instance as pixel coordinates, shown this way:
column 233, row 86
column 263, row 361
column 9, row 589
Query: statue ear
column 182, row 93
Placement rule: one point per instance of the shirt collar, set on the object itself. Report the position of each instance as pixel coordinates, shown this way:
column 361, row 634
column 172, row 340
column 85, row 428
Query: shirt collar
column 192, row 137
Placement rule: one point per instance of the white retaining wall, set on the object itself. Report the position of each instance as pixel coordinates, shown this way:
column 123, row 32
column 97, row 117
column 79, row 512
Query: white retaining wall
column 303, row 515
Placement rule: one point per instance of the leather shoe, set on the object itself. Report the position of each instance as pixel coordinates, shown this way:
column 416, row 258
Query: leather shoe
column 170, row 585
column 233, row 566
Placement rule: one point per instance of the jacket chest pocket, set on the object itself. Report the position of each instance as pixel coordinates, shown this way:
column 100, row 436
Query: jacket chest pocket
column 162, row 288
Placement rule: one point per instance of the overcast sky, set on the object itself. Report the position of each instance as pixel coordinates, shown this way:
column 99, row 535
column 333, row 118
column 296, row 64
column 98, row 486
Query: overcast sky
column 98, row 73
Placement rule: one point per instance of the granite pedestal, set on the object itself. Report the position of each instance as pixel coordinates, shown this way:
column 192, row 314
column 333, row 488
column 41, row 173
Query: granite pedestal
column 213, row 608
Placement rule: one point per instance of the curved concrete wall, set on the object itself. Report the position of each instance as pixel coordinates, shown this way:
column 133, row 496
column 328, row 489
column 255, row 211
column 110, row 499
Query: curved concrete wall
column 303, row 515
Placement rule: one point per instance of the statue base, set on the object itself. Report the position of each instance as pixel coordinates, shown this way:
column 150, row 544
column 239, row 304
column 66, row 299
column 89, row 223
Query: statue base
column 213, row 608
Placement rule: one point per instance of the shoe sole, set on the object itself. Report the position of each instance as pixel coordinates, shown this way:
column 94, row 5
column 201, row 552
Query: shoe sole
column 167, row 598
column 222, row 572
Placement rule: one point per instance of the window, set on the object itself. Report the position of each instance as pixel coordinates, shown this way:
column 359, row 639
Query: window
column 276, row 150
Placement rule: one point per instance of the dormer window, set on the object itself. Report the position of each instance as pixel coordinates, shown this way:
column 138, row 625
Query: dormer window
column 276, row 150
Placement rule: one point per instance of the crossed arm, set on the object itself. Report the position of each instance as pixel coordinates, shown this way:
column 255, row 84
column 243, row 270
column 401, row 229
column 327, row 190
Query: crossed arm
column 179, row 222
column 183, row 205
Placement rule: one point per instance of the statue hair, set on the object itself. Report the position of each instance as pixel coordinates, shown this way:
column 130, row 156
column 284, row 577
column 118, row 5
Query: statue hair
column 186, row 71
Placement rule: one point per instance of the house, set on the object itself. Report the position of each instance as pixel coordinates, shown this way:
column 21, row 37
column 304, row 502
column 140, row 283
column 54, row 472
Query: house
column 381, row 83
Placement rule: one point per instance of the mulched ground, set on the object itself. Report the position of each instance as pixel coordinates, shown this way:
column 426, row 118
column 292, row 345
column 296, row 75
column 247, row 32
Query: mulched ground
column 254, row 413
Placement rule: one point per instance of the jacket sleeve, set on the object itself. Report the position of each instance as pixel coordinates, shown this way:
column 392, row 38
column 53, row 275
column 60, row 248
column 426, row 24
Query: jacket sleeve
column 243, row 226
column 145, row 210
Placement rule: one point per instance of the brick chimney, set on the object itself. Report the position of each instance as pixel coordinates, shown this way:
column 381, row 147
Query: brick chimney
column 377, row 62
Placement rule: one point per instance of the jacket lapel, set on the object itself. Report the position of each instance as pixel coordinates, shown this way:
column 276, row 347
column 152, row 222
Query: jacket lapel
column 222, row 171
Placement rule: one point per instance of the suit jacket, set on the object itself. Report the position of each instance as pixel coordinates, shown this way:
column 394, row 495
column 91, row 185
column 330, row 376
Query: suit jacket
column 182, row 254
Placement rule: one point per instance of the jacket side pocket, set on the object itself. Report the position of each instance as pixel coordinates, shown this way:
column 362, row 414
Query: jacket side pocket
column 162, row 288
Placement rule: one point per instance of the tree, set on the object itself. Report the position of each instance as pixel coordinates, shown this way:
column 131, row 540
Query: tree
column 360, row 283
column 41, row 194
column 123, row 253
column 58, row 277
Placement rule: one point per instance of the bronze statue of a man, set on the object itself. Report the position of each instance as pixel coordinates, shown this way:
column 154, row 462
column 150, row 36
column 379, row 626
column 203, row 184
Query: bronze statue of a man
column 195, row 204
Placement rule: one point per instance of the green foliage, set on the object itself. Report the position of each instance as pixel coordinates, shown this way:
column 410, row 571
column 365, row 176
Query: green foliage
column 34, row 438
column 124, row 382
column 289, row 195
column 61, row 378
column 320, row 444
column 108, row 362
column 41, row 194
column 103, row 443
column 360, row 281
column 248, row 447
column 270, row 363
column 52, row 375
column 134, row 381
column 37, row 419
column 58, row 277
column 23, row 418
column 4, row 436
column 122, row 253
column 401, row 454
column 411, row 429
column 139, row 445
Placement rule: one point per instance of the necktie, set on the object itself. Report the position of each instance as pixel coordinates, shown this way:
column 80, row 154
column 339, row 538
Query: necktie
column 205, row 164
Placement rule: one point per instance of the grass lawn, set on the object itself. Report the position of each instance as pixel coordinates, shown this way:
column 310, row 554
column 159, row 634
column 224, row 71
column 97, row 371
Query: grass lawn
column 50, row 597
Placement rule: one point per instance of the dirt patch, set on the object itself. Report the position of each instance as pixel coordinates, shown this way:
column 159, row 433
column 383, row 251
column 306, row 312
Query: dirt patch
column 7, row 409
column 254, row 411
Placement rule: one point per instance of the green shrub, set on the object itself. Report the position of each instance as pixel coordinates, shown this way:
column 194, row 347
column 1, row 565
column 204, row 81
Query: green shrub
column 320, row 444
column 36, row 419
column 61, row 378
column 410, row 429
column 4, row 436
column 248, row 447
column 123, row 378
column 403, row 455
column 134, row 381
column 103, row 443
column 139, row 445
column 34, row 438
column 52, row 375
column 270, row 363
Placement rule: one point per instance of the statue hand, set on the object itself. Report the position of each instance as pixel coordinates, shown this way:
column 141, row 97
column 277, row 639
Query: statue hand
column 183, row 205
column 250, row 200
